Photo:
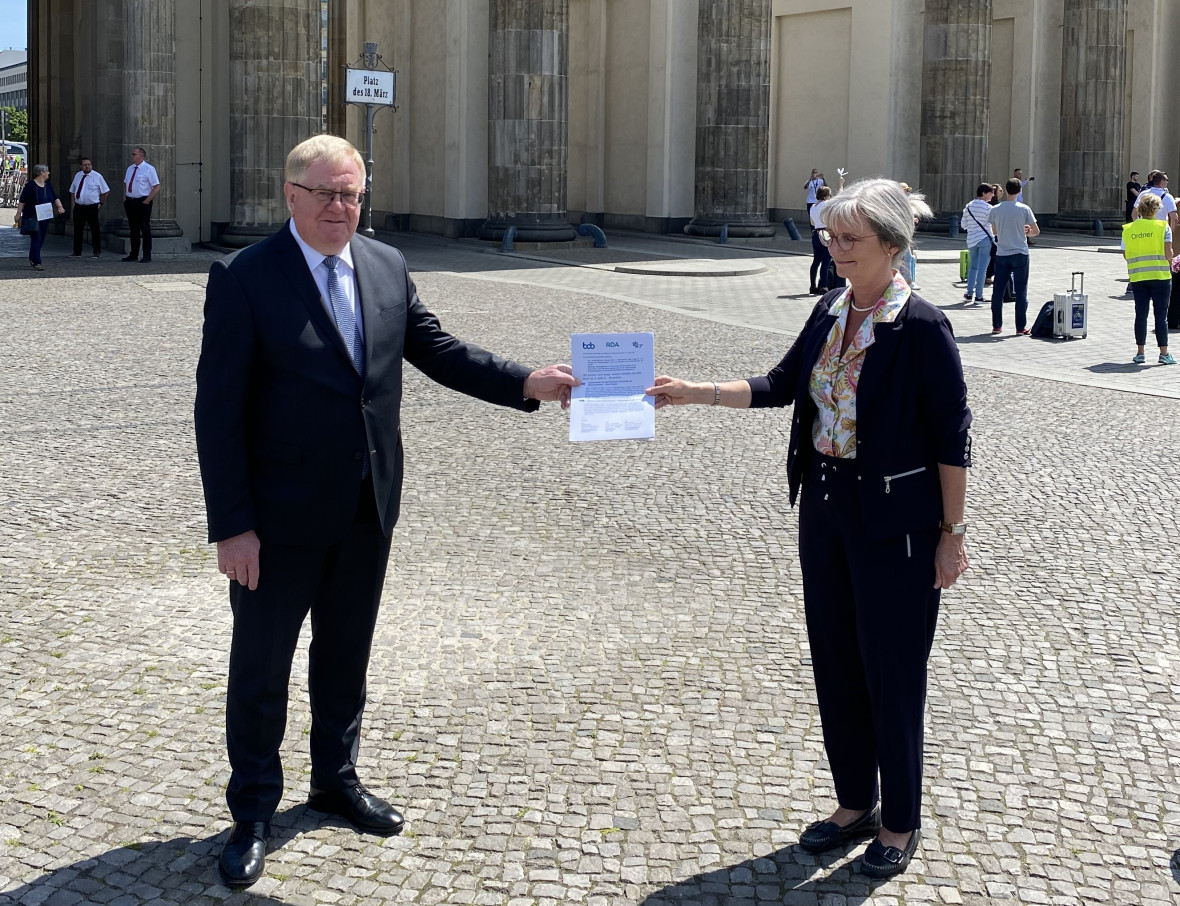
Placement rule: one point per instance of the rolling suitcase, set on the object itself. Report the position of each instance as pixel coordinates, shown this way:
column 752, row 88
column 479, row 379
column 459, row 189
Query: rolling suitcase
column 1069, row 309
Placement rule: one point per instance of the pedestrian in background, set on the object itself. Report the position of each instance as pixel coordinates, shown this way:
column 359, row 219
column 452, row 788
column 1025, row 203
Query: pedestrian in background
column 1157, row 185
column 979, row 241
column 89, row 191
column 1134, row 187
column 1013, row 223
column 141, row 184
column 813, row 186
column 37, row 191
column 880, row 445
column 823, row 277
column 1147, row 246
column 909, row 268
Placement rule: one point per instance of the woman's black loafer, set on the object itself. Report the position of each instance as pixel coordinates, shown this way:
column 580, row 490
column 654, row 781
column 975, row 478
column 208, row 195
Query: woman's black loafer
column 880, row 861
column 825, row 835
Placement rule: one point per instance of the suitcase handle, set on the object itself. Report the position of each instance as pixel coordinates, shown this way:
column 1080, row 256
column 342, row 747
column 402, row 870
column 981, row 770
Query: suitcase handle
column 1082, row 283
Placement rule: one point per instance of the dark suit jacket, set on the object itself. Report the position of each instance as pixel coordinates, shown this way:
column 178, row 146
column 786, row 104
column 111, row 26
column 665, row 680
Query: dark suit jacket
column 911, row 413
column 283, row 418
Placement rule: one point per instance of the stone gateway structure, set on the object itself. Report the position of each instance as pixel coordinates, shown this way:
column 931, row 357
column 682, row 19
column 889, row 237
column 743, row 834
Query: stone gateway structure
column 653, row 115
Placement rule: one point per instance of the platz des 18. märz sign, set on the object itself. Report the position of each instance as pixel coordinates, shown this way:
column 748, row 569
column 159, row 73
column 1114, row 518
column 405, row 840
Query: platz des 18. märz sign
column 367, row 86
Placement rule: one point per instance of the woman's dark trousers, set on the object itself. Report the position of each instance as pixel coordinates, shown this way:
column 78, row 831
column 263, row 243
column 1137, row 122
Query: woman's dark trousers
column 871, row 612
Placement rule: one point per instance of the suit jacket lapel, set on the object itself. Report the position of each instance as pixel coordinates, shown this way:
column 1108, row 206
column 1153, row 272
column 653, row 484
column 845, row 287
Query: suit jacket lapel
column 364, row 266
column 294, row 267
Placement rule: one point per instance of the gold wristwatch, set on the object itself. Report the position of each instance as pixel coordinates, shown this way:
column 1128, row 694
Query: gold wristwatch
column 953, row 528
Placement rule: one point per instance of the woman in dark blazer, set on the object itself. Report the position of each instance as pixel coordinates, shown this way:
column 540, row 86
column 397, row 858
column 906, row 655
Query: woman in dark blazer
column 37, row 190
column 880, row 446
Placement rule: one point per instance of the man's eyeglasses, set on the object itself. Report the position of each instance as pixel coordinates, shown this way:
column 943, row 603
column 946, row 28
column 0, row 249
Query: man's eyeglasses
column 843, row 240
column 325, row 197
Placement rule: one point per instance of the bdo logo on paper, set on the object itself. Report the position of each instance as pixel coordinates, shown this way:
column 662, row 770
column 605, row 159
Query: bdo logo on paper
column 586, row 345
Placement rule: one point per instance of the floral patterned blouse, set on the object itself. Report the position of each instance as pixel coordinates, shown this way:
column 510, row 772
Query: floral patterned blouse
column 835, row 376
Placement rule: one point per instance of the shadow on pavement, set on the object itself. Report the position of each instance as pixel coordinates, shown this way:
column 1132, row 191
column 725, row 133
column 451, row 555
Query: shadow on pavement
column 59, row 266
column 145, row 871
column 1116, row 368
column 775, row 878
column 988, row 337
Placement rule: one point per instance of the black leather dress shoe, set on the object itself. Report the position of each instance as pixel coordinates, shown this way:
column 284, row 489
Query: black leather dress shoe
column 881, row 861
column 244, row 855
column 130, row 258
column 360, row 808
column 824, row 835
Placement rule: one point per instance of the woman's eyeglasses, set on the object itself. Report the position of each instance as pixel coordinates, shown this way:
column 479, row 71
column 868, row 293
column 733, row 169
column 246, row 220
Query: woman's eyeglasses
column 843, row 240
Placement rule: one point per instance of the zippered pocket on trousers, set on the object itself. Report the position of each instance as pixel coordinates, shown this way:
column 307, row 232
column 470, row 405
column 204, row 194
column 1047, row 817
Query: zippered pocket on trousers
column 889, row 478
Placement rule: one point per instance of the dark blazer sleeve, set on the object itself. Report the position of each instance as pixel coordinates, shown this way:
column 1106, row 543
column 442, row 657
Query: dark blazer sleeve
column 944, row 393
column 221, row 410
column 460, row 365
column 779, row 385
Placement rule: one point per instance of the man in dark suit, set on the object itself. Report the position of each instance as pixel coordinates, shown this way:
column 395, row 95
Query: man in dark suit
column 297, row 423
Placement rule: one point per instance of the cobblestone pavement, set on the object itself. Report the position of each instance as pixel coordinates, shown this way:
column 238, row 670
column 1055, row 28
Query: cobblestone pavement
column 590, row 681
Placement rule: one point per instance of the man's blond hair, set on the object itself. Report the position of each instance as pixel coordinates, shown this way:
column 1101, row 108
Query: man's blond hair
column 321, row 147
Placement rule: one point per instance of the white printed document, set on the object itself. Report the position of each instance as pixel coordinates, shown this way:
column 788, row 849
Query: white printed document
column 615, row 370
column 45, row 211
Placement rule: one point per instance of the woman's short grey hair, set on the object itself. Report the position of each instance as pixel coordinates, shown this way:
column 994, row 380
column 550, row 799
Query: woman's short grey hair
column 38, row 169
column 882, row 204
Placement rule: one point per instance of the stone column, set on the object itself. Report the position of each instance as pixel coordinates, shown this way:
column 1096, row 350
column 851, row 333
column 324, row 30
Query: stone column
column 956, row 78
column 274, row 77
column 1093, row 81
column 149, row 102
column 733, row 118
column 528, row 120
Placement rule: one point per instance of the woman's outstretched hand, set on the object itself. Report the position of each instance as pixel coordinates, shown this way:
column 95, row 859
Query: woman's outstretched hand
column 670, row 391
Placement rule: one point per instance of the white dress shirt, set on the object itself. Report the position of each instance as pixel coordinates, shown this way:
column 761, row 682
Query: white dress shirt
column 93, row 187
column 143, row 181
column 344, row 270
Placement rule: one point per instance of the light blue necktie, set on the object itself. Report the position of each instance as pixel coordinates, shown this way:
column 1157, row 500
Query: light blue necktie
column 342, row 312
column 346, row 324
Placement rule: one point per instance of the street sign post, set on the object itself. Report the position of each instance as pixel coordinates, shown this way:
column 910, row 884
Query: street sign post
column 373, row 88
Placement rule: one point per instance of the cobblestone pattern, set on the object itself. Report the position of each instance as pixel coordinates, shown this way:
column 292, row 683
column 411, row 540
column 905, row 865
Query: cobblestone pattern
column 590, row 681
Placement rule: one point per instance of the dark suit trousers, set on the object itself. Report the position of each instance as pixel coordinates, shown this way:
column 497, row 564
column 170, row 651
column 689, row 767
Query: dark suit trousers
column 86, row 215
column 340, row 585
column 871, row 613
column 139, row 221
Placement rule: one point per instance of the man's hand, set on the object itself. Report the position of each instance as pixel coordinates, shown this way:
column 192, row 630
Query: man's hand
column 237, row 557
column 553, row 382
column 950, row 560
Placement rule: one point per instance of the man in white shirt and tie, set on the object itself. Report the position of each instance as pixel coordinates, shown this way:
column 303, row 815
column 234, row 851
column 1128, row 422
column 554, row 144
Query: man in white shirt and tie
column 140, row 185
column 89, row 192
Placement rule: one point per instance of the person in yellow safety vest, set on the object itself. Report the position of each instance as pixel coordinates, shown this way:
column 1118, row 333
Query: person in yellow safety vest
column 1147, row 246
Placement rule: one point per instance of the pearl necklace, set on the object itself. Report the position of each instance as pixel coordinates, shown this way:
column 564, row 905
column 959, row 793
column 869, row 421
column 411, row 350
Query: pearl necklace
column 856, row 307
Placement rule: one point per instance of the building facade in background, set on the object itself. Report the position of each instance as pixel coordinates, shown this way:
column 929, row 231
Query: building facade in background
column 14, row 89
column 654, row 115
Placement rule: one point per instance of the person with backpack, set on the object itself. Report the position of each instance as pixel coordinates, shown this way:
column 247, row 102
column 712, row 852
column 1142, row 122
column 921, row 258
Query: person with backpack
column 979, row 241
column 1147, row 246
